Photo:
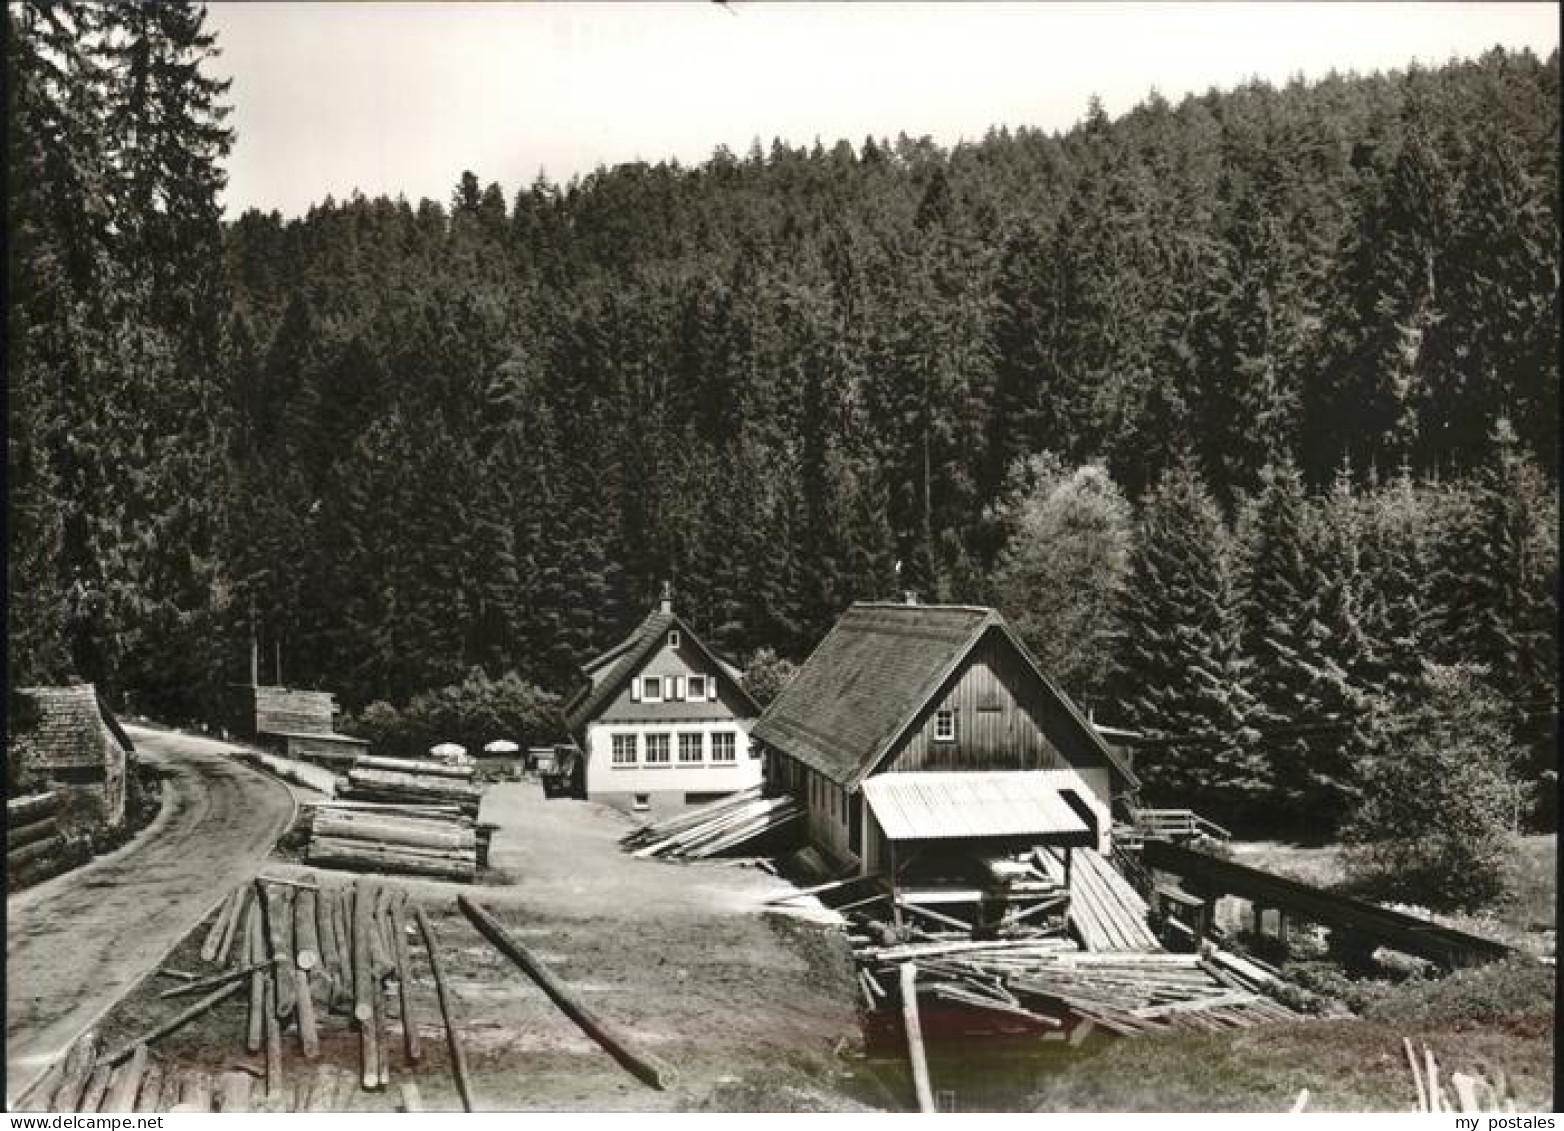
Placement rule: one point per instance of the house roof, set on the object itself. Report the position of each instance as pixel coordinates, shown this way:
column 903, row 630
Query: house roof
column 951, row 804
column 66, row 732
column 627, row 658
column 874, row 673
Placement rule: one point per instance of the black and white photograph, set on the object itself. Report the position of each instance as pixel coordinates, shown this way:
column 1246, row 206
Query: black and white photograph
column 737, row 556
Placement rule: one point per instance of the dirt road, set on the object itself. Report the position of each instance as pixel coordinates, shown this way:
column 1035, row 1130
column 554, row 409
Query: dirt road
column 76, row 944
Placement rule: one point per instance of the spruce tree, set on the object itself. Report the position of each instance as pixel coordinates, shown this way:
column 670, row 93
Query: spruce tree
column 1178, row 666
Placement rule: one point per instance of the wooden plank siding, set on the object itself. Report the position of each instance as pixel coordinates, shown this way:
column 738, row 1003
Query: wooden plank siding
column 827, row 807
column 998, row 725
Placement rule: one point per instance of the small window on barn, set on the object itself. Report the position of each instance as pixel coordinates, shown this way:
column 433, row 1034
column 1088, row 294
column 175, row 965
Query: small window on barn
column 697, row 687
column 652, row 688
column 657, row 750
column 673, row 638
column 624, row 750
column 944, row 726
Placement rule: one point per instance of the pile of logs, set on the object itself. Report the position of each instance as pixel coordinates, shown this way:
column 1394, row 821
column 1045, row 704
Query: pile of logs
column 424, row 840
column 312, row 960
column 32, row 831
column 716, row 828
column 1037, row 985
column 409, row 782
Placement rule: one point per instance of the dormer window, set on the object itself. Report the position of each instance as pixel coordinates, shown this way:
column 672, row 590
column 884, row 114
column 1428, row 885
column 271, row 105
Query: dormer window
column 673, row 638
column 652, row 688
column 697, row 687
column 944, row 726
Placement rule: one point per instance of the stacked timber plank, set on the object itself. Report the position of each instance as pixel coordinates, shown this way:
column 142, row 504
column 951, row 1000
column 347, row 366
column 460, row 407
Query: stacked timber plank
column 716, row 828
column 1106, row 911
column 412, row 782
column 1041, row 985
column 436, row 840
column 32, row 830
column 314, row 964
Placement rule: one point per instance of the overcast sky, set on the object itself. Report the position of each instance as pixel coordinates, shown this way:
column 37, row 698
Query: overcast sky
column 401, row 97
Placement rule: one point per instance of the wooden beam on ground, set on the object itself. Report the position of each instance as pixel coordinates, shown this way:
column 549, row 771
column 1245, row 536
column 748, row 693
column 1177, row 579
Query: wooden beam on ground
column 273, row 1036
column 404, row 984
column 255, row 955
column 909, row 1013
column 176, row 1022
column 643, row 1067
column 818, row 889
column 279, row 928
column 126, row 1083
column 215, row 980
column 452, row 1036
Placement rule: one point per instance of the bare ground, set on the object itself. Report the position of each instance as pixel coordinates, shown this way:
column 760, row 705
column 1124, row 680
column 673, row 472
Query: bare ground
column 76, row 943
column 750, row 1007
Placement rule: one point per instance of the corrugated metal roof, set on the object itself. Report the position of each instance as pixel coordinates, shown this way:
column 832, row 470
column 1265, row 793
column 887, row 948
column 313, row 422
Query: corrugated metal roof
column 974, row 803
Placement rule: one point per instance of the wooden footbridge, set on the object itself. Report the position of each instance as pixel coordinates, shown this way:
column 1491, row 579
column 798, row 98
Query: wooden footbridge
column 1364, row 924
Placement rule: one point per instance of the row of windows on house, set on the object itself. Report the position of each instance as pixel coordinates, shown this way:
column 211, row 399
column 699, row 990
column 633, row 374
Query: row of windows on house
column 673, row 689
column 658, row 748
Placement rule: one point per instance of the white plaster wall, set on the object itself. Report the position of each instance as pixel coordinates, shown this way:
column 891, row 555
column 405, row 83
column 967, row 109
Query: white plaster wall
column 602, row 776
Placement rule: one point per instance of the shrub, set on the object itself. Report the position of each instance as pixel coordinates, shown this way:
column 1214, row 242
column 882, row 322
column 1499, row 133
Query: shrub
column 1516, row 987
column 1438, row 796
column 473, row 712
column 767, row 675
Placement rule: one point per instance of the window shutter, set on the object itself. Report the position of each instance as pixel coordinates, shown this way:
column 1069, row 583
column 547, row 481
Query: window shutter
column 635, row 690
column 678, row 687
column 711, row 687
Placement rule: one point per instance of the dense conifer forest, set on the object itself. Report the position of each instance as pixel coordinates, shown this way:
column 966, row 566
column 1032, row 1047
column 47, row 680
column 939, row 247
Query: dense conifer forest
column 1242, row 407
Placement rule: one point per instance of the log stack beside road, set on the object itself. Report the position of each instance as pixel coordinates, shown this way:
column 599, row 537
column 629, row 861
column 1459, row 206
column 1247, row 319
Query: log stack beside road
column 32, row 830
column 406, row 816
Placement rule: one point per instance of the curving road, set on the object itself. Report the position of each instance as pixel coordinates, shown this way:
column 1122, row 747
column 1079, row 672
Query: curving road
column 78, row 943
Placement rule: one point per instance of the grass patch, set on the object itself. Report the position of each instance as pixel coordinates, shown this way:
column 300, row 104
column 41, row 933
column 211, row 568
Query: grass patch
column 1526, row 917
column 1350, row 1065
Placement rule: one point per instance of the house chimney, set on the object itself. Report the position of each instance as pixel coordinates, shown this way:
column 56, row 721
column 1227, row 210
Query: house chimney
column 665, row 602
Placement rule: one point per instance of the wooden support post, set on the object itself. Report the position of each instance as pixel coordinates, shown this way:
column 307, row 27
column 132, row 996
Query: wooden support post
column 453, row 1038
column 909, row 1012
column 644, row 1067
column 895, row 902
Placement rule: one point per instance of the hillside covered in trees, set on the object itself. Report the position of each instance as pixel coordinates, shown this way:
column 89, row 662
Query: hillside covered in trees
column 1242, row 407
